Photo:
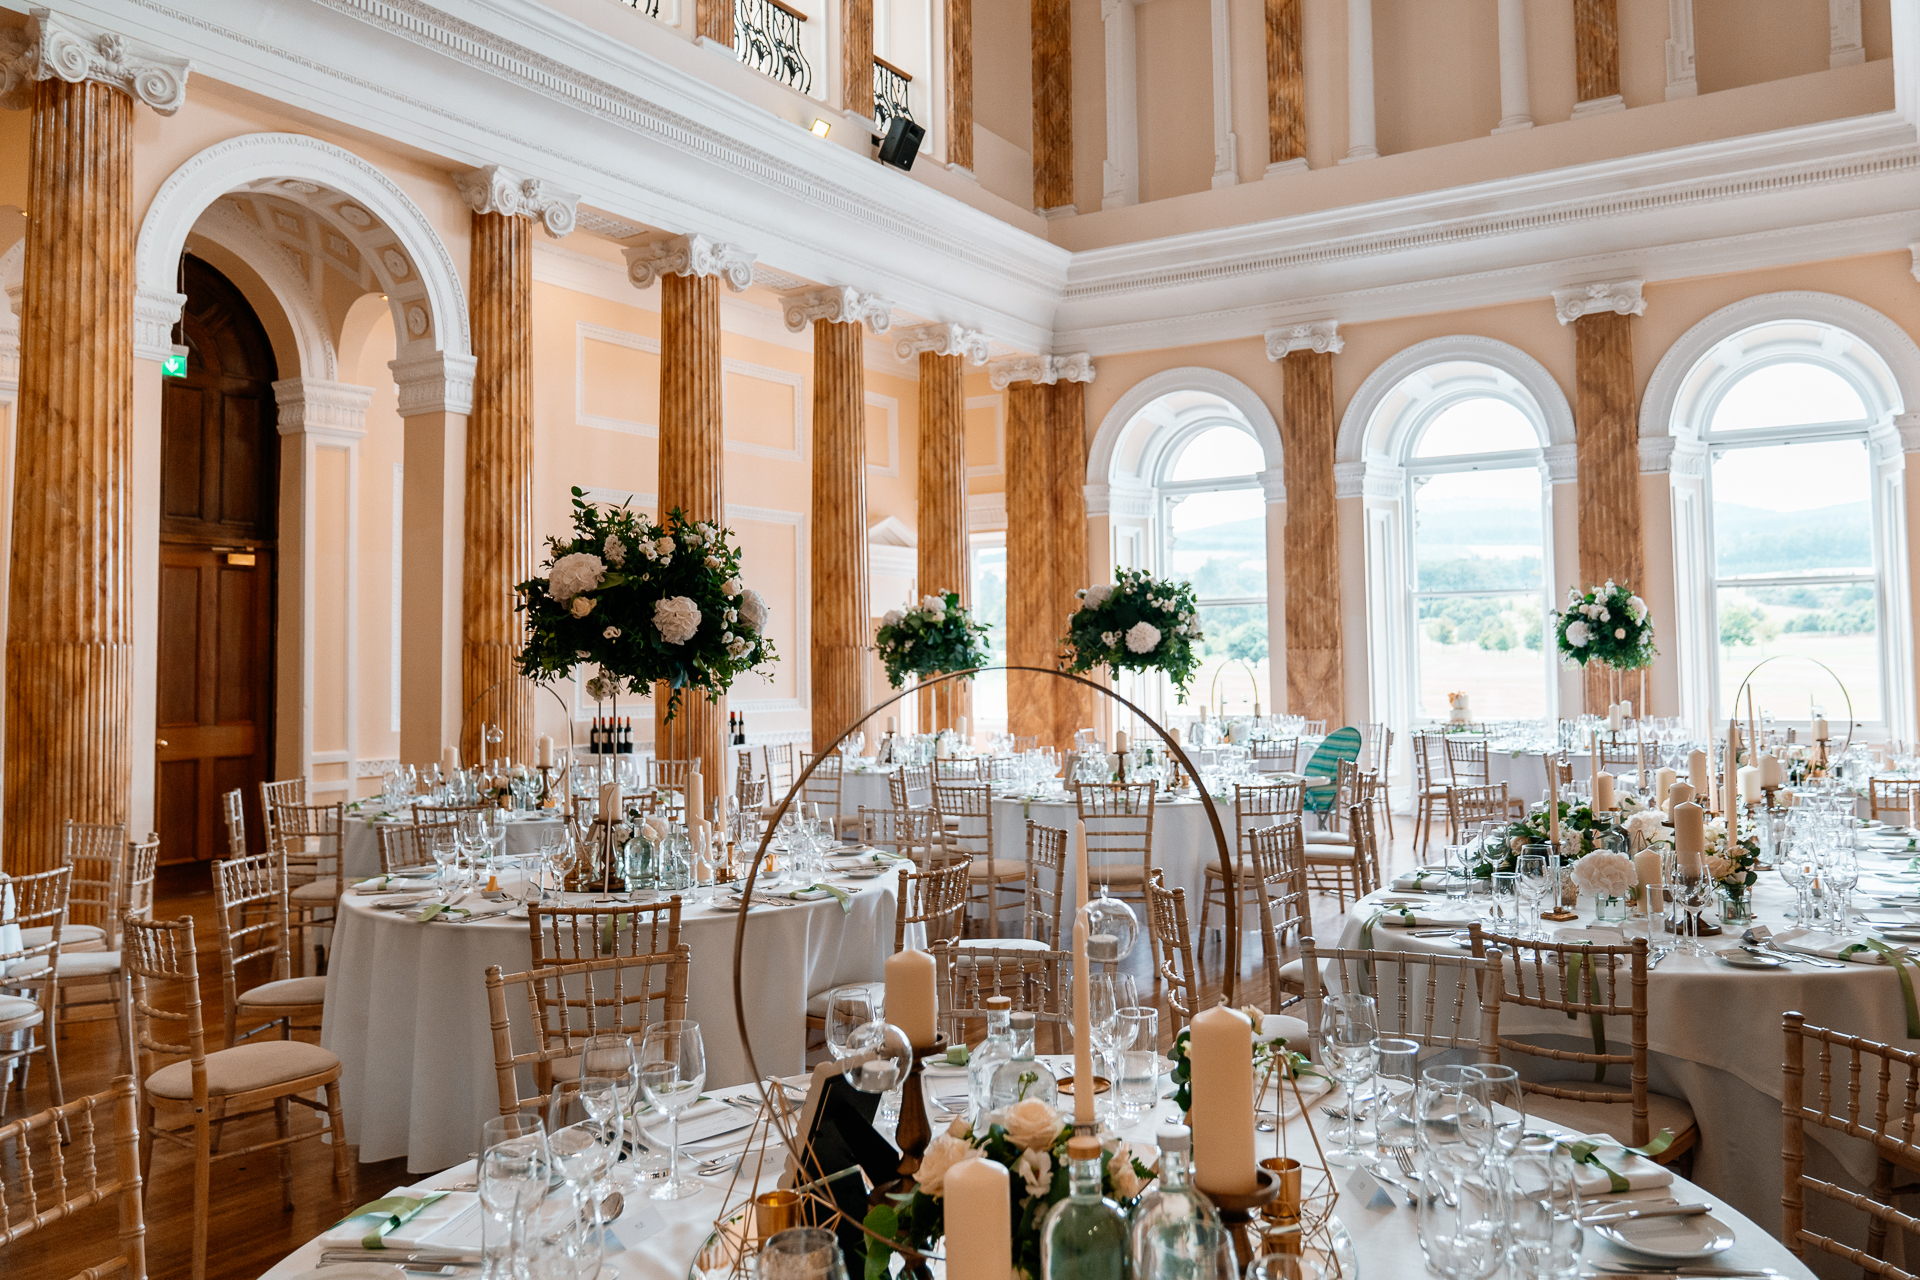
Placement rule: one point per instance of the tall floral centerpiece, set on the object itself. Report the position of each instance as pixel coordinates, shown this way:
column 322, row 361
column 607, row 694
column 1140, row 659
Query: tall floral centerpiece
column 647, row 603
column 930, row 638
column 1140, row 623
column 1607, row 624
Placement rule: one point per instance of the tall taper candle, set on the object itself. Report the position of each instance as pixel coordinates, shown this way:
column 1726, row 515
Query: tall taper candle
column 1082, row 1027
column 1553, row 800
column 911, row 1001
column 979, row 1221
column 1080, row 866
column 696, row 796
column 1221, row 1054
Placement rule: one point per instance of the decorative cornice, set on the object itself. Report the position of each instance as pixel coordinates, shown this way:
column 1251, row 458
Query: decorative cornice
column 1563, row 463
column 1045, row 370
column 53, row 46
column 313, row 406
column 1656, row 454
column 840, row 304
column 1908, row 425
column 434, row 383
column 1349, row 479
column 1622, row 297
column 1273, row 485
column 154, row 315
column 690, row 255
column 1321, row 336
column 942, row 340
column 495, row 190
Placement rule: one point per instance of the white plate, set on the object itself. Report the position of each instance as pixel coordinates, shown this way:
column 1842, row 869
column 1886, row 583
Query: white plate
column 355, row 1271
column 1671, row 1239
column 1748, row 960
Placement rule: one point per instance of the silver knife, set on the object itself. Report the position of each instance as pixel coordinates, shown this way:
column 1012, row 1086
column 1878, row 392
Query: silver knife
column 1621, row 1269
column 1621, row 1214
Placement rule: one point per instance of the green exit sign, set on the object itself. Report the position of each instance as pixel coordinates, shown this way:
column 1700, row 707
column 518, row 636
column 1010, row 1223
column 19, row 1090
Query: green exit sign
column 173, row 366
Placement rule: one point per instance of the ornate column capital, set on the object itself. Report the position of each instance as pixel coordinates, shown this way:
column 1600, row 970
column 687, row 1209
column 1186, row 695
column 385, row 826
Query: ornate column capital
column 437, row 382
column 690, row 255
column 1321, row 336
column 1656, row 454
column 1273, row 486
column 840, row 304
column 154, row 315
column 1045, row 370
column 1562, row 463
column 495, row 190
column 314, row 406
column 1622, row 297
column 942, row 340
column 53, row 46
column 1908, row 425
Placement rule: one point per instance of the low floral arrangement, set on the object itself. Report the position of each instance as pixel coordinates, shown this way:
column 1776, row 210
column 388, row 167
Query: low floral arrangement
column 1030, row 1139
column 1607, row 625
column 1575, row 821
column 1270, row 1053
column 934, row 636
column 1605, row 874
column 1737, row 866
column 645, row 603
column 1140, row 623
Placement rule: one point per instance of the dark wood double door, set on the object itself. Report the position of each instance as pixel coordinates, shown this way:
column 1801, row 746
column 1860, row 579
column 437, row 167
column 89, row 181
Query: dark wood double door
column 219, row 495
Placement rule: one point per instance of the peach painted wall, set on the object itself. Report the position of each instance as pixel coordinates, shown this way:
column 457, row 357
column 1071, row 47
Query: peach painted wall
column 1175, row 46
column 1436, row 72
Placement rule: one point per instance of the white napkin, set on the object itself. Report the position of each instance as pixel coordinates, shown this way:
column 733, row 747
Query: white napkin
column 1826, row 945
column 1641, row 1173
column 1423, row 880
column 1417, row 918
column 456, row 1213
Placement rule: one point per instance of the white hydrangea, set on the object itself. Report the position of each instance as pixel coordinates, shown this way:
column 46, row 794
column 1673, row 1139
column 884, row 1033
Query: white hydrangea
column 891, row 618
column 753, row 612
column 935, row 605
column 571, row 574
column 1142, row 637
column 1638, row 608
column 1578, row 633
column 1604, row 874
column 677, row 617
column 614, row 550
column 1097, row 596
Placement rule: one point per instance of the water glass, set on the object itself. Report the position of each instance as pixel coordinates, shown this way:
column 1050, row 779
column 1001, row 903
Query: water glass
column 1461, row 1222
column 1347, row 1032
column 1534, row 881
column 1543, row 1214
column 1139, row 1084
column 1499, row 1087
column 1285, row 1266
column 1458, row 863
column 673, row 1070
column 511, row 1178
column 802, row 1253
column 1506, row 902
column 1396, row 1067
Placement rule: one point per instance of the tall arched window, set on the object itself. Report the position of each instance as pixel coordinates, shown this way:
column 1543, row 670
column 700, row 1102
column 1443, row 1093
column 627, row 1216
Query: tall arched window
column 1213, row 533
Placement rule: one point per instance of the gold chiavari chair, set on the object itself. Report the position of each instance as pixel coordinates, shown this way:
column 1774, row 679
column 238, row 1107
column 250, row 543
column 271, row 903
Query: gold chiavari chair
column 1314, row 729
column 1472, row 806
column 70, row 1158
column 743, row 778
column 954, row 770
column 1433, row 1000
column 1277, row 867
column 1840, row 1104
column 1026, row 742
column 779, row 769
column 1046, row 877
column 1173, row 948
column 934, row 898
column 183, row 1099
column 1119, row 824
column 1586, row 983
column 1276, row 755
column 34, row 905
column 996, row 883
column 1354, row 866
column 310, row 845
column 1624, row 754
column 89, row 975
column 1891, row 795
column 1254, row 807
column 1466, row 759
column 1035, row 981
column 566, row 1005
column 233, row 812
column 143, row 863
column 911, row 833
column 571, row 934
column 823, row 791
column 406, row 845
column 250, row 904
column 1429, row 788
column 668, row 778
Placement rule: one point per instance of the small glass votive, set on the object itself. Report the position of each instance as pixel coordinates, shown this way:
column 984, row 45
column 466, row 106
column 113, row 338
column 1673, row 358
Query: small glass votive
column 774, row 1212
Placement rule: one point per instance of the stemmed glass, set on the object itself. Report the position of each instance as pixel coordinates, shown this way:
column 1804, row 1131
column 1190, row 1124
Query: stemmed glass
column 1843, row 873
column 582, row 1147
column 613, row 1058
column 1347, row 1032
column 1499, row 1087
column 1104, row 1003
column 1694, row 894
column 848, row 1009
column 1533, row 881
column 446, row 860
column 511, row 1179
column 493, row 831
column 1543, row 1214
column 673, row 1070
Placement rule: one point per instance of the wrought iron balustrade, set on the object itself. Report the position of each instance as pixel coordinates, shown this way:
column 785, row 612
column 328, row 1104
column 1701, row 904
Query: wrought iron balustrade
column 890, row 85
column 649, row 7
column 766, row 36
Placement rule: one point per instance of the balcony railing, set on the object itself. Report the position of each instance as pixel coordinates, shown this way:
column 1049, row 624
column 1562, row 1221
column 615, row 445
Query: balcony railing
column 889, row 92
column 649, row 7
column 766, row 36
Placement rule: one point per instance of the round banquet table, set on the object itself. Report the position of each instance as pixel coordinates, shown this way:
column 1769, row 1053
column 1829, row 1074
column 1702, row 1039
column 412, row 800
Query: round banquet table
column 1714, row 1032
column 865, row 786
column 361, row 840
column 406, row 1005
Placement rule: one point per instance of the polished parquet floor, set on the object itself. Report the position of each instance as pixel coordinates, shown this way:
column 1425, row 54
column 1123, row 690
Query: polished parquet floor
column 249, row 1231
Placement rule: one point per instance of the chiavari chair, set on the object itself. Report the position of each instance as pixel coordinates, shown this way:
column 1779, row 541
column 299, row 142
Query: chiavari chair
column 1466, row 759
column 911, row 787
column 1046, row 878
column 1276, row 755
column 824, row 789
column 1474, row 805
column 1037, row 982
column 1433, row 1000
column 1891, row 795
column 1026, row 742
column 1314, row 729
column 910, row 833
column 250, row 904
column 1118, row 819
column 31, row 906
column 1277, row 869
column 1351, row 866
column 1587, row 983
column 934, row 898
column 184, row 1098
column 1254, row 807
column 233, row 813
column 743, row 780
column 669, row 780
column 1872, row 1095
column 310, row 845
column 996, row 883
column 70, row 1158
column 98, row 855
column 572, row 934
column 143, row 863
column 1429, row 788
column 779, row 769
column 1173, row 951
column 406, row 845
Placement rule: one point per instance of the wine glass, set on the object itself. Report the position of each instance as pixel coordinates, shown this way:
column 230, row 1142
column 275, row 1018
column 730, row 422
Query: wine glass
column 1533, row 881
column 511, row 1178
column 1347, row 1031
column 446, row 858
column 580, row 1142
column 1499, row 1087
column 614, row 1058
column 493, row 830
column 1843, row 873
column 673, row 1070
column 1103, row 1011
column 1544, row 1217
column 803, row 1253
column 849, row 1008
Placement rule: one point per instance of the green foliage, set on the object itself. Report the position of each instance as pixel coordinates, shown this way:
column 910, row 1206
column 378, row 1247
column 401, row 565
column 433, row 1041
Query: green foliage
column 1853, row 620
column 1741, row 623
column 1755, row 540
column 1247, row 642
column 1101, row 633
column 1607, row 624
column 936, row 635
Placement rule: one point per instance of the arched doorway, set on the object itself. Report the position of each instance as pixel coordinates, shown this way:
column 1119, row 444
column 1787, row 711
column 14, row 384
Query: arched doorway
column 219, row 484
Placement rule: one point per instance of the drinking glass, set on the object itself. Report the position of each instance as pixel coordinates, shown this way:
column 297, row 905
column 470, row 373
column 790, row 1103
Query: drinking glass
column 493, row 830
column 849, row 1008
column 1138, row 1086
column 1396, row 1067
column 1544, row 1212
column 1103, row 1012
column 1533, row 880
column 1694, row 894
column 1499, row 1087
column 1458, row 863
column 446, row 860
column 673, row 1070
column 802, row 1253
column 1285, row 1266
column 615, row 1058
column 1843, row 873
column 582, row 1148
column 1461, row 1227
column 511, row 1178
column 1347, row 1033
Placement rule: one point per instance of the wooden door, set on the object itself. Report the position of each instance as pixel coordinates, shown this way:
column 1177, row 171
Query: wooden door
column 219, row 469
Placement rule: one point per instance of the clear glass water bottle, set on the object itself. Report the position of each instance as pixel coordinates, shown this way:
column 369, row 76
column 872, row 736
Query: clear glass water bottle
column 1176, row 1233
column 1084, row 1237
column 987, row 1057
column 1021, row 1077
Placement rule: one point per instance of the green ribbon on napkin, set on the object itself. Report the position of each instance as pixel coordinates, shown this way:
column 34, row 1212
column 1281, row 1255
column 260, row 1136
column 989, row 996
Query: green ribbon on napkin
column 386, row 1214
column 846, row 899
column 437, row 909
column 1898, row 957
column 1583, row 1153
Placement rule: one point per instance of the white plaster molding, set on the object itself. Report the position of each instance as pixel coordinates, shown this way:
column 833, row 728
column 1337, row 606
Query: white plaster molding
column 1316, row 335
column 1516, row 113
column 1045, row 370
column 155, row 312
column 1622, row 297
column 840, row 304
column 1845, row 48
column 492, row 189
column 1562, row 462
column 986, row 512
column 56, row 47
column 1681, row 80
column 1349, row 479
column 1599, row 106
column 1656, row 455
column 1097, row 496
column 1541, row 386
column 1128, row 498
column 1908, row 425
column 224, row 225
column 1104, row 449
column 1273, row 486
column 1362, row 143
column 690, row 255
column 326, row 410
column 438, row 382
column 1226, row 163
column 1914, row 268
column 943, row 340
column 1120, row 168
column 1058, row 211
column 1280, row 168
column 13, row 270
column 1383, row 481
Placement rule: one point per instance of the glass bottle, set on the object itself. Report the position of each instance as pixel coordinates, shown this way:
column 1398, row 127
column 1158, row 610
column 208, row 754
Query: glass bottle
column 1176, row 1232
column 994, row 1050
column 1021, row 1077
column 1084, row 1237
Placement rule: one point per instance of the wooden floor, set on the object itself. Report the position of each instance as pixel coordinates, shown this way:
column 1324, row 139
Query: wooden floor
column 249, row 1230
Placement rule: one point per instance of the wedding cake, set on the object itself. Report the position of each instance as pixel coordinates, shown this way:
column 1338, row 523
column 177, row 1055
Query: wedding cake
column 1459, row 713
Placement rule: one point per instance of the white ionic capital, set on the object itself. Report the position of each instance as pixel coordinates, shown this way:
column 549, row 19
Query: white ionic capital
column 154, row 315
column 316, row 407
column 53, row 46
column 1563, row 463
column 1273, row 485
column 1908, row 425
column 1349, row 479
column 1656, row 454
column 839, row 305
column 1321, row 336
column 942, row 340
column 1045, row 370
column 496, row 190
column 1622, row 297
column 436, row 382
column 690, row 255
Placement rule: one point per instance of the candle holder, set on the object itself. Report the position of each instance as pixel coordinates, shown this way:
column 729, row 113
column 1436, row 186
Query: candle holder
column 546, row 786
column 1237, row 1212
column 913, row 1132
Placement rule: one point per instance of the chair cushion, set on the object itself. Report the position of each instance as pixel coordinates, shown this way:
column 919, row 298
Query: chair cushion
column 1331, row 855
column 315, row 891
column 1294, row 1029
column 72, row 936
column 1294, row 974
column 1001, row 869
column 1005, row 944
column 1612, row 1118
column 285, row 991
column 1119, row 873
column 18, row 1013
column 244, row 1068
column 1328, row 837
column 81, row 964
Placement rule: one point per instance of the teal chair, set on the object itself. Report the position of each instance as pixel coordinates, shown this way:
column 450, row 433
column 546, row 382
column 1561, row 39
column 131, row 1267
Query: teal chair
column 1342, row 744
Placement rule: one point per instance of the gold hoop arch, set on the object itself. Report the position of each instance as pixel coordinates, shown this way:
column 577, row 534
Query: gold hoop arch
column 1733, row 708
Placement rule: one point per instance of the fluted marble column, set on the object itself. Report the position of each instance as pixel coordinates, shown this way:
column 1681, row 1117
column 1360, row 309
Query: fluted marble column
column 1312, row 544
column 840, row 586
column 1596, row 58
column 692, row 446
column 944, row 350
column 498, row 514
column 69, row 604
column 1361, row 139
column 1286, row 90
column 1515, row 113
column 1073, row 707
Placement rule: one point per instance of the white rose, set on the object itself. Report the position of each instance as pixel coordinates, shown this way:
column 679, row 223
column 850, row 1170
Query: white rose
column 663, row 546
column 582, row 606
column 936, row 605
column 732, row 587
column 1578, row 634
column 753, row 612
column 1126, row 1183
column 714, row 562
column 941, row 1154
column 1646, row 824
column 1109, row 638
column 611, row 633
column 1035, row 1168
column 1030, row 1123
column 614, row 550
column 1604, row 874
column 1619, row 633
column 1638, row 608
column 1097, row 596
column 1142, row 637
column 738, row 649
column 1605, row 614
column 677, row 618
column 572, row 574
column 1719, row 866
column 891, row 618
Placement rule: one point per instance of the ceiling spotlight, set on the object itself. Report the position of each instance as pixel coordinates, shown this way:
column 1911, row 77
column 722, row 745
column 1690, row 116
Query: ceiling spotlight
column 820, row 128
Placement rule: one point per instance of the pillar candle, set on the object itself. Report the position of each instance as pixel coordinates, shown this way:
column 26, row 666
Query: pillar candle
column 1082, row 1027
column 720, row 811
column 449, row 760
column 1221, row 1052
column 546, row 752
column 1647, row 870
column 1120, row 743
column 1697, row 772
column 910, row 996
column 1820, row 731
column 1626, row 709
column 1662, row 784
column 1679, row 793
column 1614, row 718
column 979, row 1220
column 1748, row 777
column 1256, row 708
column 1690, row 839
column 1772, row 773
column 610, row 801
column 963, row 730
column 1603, row 792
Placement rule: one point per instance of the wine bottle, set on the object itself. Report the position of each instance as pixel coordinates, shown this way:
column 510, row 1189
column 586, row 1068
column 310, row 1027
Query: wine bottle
column 593, row 738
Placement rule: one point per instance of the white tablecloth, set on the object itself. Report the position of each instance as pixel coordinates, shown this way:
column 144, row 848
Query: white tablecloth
column 407, row 1007
column 362, row 840
column 1182, row 841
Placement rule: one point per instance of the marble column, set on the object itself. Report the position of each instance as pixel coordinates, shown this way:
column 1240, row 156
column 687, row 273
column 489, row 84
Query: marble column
column 1596, row 58
column 1361, row 141
column 1286, row 90
column 498, row 507
column 1515, row 113
column 1308, row 429
column 840, row 586
column 1053, row 108
column 944, row 351
column 960, row 85
column 692, row 446
column 69, row 664
column 856, row 54
column 1073, row 707
column 713, row 20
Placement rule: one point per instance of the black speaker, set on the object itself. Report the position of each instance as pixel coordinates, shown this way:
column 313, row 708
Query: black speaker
column 902, row 143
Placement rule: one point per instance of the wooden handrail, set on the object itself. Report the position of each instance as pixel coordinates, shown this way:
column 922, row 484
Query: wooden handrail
column 789, row 10
column 878, row 61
